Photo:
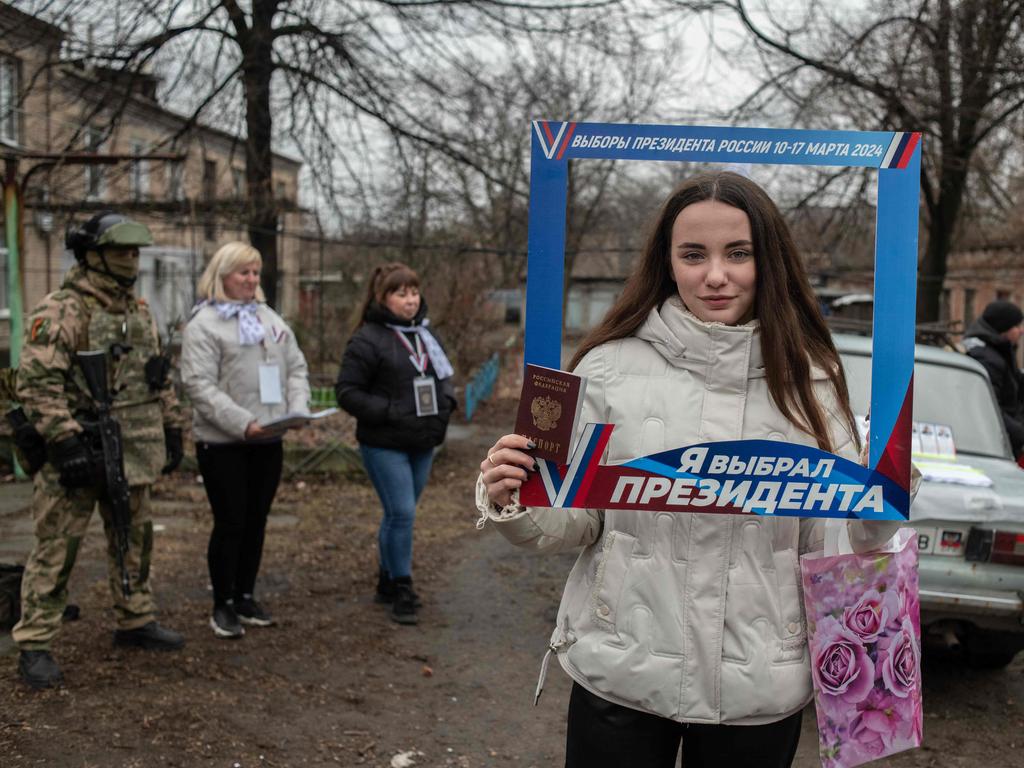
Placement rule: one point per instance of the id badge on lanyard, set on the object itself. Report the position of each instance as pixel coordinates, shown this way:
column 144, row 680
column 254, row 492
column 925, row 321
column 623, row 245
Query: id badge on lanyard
column 270, row 381
column 424, row 388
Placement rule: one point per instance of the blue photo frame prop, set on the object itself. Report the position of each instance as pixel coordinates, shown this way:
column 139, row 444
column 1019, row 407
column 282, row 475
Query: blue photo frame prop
column 896, row 156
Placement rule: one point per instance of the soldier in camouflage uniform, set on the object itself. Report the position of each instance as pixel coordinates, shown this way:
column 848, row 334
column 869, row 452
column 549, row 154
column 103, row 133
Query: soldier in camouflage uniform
column 95, row 309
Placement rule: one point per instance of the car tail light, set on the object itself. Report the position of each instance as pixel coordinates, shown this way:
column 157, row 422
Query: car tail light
column 988, row 546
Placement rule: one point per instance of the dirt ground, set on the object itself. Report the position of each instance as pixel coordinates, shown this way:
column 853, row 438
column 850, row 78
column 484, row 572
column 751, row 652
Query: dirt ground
column 337, row 683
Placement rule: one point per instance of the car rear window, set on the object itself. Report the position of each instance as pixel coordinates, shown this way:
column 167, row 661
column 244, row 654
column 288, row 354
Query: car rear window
column 943, row 394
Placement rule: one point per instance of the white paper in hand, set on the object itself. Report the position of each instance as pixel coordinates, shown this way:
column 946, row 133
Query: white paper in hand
column 296, row 420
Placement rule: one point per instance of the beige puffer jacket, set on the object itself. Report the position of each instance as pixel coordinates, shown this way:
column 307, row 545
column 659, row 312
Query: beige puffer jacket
column 694, row 617
column 221, row 376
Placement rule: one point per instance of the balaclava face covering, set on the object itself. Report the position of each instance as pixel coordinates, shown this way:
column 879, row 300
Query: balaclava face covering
column 122, row 264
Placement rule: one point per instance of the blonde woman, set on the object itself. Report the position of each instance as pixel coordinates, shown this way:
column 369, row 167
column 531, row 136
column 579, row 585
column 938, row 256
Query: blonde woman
column 240, row 365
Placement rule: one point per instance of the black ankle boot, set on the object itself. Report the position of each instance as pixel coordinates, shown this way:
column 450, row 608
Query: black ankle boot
column 403, row 609
column 385, row 594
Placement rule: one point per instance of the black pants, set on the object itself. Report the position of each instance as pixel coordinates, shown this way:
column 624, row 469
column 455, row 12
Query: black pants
column 240, row 480
column 606, row 735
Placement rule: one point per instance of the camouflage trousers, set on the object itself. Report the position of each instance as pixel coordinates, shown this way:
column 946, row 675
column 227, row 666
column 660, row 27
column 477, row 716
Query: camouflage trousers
column 61, row 517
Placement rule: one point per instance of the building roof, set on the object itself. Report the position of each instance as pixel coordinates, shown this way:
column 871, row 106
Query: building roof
column 153, row 109
column 18, row 22
column 142, row 84
column 612, row 264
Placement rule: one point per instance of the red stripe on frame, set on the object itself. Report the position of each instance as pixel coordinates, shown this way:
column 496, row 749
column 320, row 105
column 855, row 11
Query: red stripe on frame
column 595, row 462
column 532, row 493
column 565, row 141
column 547, row 132
column 895, row 460
column 909, row 151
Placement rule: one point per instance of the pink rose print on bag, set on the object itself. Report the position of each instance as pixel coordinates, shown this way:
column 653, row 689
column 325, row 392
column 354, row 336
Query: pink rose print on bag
column 900, row 661
column 864, row 636
column 842, row 669
column 868, row 617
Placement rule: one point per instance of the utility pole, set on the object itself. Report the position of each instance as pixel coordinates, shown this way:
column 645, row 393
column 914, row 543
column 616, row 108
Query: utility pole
column 13, row 237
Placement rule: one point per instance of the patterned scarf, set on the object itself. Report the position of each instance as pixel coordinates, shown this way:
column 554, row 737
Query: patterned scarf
column 442, row 366
column 250, row 329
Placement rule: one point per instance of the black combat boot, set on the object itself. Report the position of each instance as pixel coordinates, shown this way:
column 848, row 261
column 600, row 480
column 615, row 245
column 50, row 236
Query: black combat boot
column 403, row 609
column 39, row 670
column 150, row 637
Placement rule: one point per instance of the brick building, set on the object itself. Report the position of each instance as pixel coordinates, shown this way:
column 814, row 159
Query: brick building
column 48, row 105
column 976, row 276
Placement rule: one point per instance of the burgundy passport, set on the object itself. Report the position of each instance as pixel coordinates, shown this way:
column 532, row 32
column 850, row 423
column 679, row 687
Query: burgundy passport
column 549, row 410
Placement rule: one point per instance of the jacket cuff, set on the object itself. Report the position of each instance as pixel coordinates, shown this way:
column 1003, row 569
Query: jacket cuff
column 298, row 405
column 868, row 535
column 490, row 511
column 236, row 422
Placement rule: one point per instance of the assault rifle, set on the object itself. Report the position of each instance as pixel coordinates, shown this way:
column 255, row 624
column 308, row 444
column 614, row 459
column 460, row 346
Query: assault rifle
column 94, row 369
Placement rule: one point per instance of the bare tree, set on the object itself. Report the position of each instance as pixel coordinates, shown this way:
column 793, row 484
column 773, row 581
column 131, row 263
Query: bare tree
column 953, row 69
column 619, row 77
column 369, row 62
column 478, row 209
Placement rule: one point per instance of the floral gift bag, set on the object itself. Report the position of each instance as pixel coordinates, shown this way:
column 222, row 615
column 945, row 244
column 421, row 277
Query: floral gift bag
column 864, row 628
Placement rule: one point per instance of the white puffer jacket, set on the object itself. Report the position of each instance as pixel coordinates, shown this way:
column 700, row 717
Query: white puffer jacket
column 694, row 617
column 221, row 376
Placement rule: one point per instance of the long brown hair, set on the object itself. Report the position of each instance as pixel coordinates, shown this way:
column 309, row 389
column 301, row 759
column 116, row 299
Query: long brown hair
column 385, row 279
column 793, row 331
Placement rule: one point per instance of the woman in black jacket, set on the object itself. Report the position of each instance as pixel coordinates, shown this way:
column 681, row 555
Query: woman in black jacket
column 396, row 380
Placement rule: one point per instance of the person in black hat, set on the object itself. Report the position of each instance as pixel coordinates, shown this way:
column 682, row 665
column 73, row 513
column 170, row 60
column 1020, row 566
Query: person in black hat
column 992, row 341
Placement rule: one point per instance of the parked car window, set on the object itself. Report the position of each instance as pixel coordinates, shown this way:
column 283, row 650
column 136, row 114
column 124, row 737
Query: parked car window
column 942, row 395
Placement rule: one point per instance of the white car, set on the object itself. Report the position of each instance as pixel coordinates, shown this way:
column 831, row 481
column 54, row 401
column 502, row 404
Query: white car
column 969, row 512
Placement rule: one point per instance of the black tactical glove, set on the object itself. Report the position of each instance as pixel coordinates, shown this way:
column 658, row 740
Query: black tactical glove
column 27, row 441
column 175, row 449
column 157, row 370
column 74, row 462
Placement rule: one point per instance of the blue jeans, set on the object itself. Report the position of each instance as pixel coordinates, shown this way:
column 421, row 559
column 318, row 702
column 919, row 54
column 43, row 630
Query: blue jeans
column 398, row 477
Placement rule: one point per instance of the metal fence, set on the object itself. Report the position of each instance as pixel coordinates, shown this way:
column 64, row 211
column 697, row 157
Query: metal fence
column 481, row 385
column 322, row 397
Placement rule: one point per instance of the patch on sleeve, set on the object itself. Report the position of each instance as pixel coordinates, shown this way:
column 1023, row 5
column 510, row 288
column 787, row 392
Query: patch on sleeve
column 40, row 330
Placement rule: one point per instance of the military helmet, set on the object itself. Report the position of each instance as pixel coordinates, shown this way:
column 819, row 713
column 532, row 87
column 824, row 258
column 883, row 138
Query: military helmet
column 107, row 230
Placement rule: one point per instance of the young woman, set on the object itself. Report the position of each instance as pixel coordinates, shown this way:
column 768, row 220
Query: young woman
column 396, row 380
column 240, row 365
column 679, row 627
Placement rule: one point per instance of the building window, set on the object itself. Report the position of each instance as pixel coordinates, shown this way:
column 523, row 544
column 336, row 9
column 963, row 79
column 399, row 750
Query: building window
column 138, row 181
column 1004, row 295
column 968, row 306
column 9, row 100
column 94, row 182
column 175, row 181
column 238, row 182
column 601, row 301
column 209, row 180
column 944, row 306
